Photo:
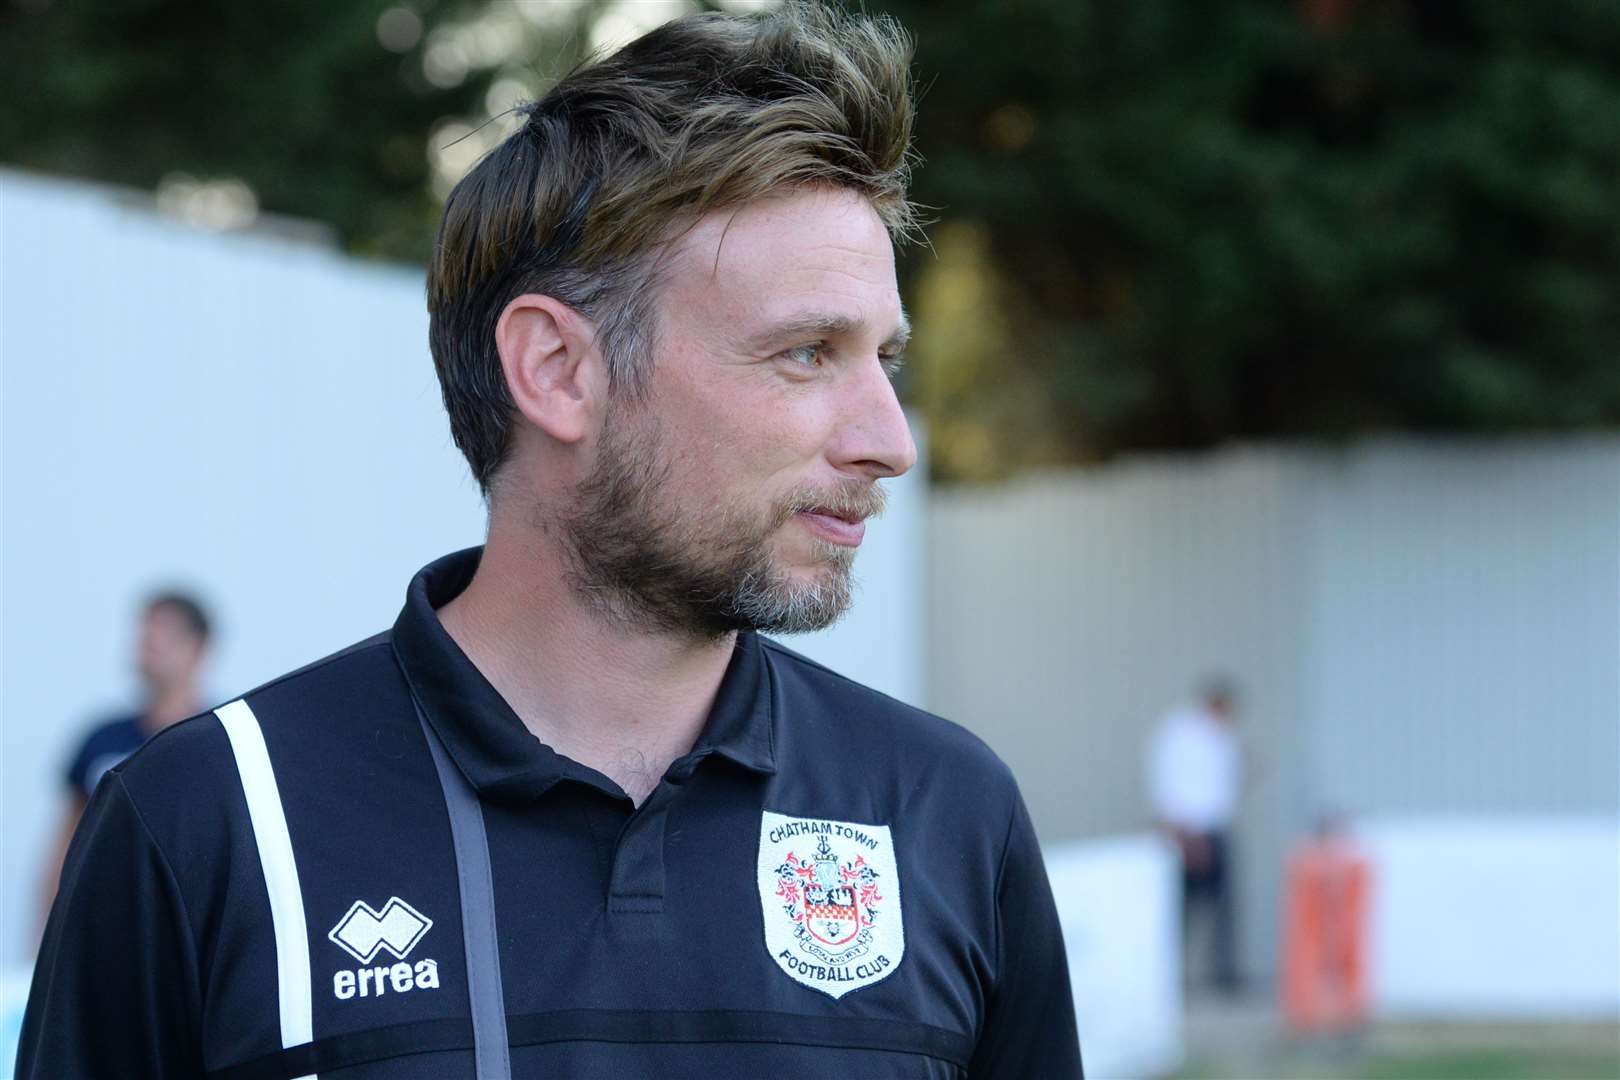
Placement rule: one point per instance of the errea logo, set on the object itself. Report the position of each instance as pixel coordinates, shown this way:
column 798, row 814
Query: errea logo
column 364, row 931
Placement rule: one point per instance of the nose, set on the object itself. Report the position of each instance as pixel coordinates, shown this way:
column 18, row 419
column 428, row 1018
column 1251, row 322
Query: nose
column 873, row 438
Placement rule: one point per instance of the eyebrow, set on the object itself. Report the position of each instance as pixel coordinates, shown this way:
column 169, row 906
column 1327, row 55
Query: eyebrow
column 816, row 324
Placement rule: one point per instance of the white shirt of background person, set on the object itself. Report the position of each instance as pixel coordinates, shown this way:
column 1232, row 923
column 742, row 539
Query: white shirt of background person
column 1195, row 770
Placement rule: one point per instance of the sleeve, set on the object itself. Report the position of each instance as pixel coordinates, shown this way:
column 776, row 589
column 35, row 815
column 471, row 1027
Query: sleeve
column 115, row 990
column 78, row 768
column 1029, row 1028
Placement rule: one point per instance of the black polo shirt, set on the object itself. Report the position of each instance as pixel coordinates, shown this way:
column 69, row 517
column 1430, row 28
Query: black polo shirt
column 369, row 867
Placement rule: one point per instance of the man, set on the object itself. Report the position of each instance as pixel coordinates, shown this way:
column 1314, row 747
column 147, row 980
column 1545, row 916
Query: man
column 170, row 648
column 1195, row 777
column 573, row 816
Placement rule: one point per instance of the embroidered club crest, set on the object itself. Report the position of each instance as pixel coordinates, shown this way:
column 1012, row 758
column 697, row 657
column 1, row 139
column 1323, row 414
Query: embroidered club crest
column 831, row 900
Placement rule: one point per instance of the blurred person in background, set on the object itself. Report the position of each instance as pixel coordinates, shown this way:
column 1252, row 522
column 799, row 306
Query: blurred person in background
column 1195, row 778
column 171, row 647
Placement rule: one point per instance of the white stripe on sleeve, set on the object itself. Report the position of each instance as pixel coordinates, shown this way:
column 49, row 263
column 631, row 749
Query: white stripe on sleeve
column 280, row 870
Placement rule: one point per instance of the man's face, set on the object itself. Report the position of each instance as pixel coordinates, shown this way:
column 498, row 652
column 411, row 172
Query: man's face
column 732, row 495
column 167, row 651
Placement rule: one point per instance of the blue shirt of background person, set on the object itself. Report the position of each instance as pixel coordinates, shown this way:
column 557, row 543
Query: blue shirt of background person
column 104, row 747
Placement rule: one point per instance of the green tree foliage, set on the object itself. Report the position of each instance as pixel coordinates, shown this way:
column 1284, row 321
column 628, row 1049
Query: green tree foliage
column 1250, row 219
column 298, row 98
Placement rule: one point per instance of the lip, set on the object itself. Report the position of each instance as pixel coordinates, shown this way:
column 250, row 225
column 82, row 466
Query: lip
column 834, row 530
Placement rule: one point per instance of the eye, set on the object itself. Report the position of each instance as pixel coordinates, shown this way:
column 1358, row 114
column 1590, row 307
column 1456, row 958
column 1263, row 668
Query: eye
column 892, row 363
column 809, row 355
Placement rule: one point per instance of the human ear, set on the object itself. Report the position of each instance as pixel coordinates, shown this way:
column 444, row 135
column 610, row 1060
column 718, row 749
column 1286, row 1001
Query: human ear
column 553, row 368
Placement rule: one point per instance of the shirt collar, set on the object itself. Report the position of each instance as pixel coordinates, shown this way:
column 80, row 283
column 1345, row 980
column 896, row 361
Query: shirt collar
column 487, row 741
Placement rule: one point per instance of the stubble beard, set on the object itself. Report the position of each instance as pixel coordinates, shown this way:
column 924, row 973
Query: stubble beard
column 641, row 562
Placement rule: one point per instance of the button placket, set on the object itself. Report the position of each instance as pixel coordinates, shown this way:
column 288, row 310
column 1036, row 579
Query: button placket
column 637, row 883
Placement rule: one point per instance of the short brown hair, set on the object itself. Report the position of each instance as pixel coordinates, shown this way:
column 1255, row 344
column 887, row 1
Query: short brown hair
column 705, row 112
column 187, row 607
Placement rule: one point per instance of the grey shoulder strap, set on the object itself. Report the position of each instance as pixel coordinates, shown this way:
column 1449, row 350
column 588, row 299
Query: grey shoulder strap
column 491, row 1054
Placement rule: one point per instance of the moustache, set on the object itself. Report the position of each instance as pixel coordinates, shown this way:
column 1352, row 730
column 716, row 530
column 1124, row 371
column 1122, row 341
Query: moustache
column 854, row 501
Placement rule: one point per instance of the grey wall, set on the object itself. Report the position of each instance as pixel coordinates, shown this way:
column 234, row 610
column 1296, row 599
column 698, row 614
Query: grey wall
column 1465, row 654
column 1418, row 627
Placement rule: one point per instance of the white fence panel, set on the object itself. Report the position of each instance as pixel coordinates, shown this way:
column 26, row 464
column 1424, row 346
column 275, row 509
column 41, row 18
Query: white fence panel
column 1119, row 900
column 1495, row 916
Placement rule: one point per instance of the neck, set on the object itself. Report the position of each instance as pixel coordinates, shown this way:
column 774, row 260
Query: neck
column 167, row 705
column 623, row 702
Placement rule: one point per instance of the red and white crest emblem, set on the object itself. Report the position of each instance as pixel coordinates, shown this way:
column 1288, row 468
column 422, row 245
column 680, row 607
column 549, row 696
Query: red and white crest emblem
column 831, row 899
